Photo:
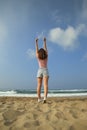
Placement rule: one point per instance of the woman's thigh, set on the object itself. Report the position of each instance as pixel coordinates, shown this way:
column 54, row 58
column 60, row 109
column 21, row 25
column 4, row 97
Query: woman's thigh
column 45, row 80
column 39, row 81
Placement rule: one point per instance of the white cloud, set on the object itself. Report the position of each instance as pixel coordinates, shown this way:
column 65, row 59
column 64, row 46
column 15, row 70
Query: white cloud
column 40, row 35
column 15, row 14
column 30, row 53
column 68, row 38
column 56, row 17
column 59, row 18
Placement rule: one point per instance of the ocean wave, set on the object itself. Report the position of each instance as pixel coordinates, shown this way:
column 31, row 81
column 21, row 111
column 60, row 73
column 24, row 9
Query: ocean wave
column 8, row 92
column 51, row 93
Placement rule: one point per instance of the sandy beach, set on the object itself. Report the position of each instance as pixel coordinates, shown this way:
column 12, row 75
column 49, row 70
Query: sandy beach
column 19, row 113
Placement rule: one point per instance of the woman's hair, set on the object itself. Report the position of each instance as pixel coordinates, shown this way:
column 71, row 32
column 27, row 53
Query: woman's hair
column 42, row 54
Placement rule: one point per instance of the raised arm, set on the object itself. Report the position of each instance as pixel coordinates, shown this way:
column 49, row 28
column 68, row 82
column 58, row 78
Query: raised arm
column 45, row 47
column 37, row 47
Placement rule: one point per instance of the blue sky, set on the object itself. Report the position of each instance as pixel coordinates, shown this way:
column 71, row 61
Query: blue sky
column 63, row 23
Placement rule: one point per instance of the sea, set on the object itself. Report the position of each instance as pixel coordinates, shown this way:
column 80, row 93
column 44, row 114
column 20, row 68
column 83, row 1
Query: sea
column 51, row 93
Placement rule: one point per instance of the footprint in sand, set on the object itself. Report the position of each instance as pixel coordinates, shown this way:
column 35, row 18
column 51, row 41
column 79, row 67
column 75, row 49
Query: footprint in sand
column 74, row 114
column 10, row 116
column 60, row 115
column 71, row 127
column 31, row 123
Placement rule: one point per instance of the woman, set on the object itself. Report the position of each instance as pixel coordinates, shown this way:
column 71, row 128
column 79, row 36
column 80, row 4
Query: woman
column 42, row 74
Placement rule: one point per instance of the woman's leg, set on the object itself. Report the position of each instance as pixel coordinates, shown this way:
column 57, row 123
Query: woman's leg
column 39, row 84
column 45, row 81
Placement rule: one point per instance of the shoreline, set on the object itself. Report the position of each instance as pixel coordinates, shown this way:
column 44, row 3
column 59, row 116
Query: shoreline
column 49, row 97
column 25, row 113
column 51, row 93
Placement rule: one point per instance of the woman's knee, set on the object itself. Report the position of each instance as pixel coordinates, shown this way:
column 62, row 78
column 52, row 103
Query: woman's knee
column 45, row 81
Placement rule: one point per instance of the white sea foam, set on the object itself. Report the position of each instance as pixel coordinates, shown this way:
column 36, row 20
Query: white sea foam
column 52, row 93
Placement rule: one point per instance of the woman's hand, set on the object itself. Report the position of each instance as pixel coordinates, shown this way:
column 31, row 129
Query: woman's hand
column 45, row 47
column 36, row 40
column 36, row 47
column 44, row 39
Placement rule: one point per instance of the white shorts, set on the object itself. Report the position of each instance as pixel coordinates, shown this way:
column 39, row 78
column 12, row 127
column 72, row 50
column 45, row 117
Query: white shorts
column 42, row 72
